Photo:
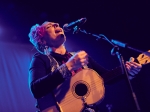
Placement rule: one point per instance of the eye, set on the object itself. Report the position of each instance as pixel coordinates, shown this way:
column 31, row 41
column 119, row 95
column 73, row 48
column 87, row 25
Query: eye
column 48, row 26
column 56, row 24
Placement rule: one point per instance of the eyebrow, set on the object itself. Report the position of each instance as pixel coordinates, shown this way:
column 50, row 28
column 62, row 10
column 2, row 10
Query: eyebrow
column 49, row 24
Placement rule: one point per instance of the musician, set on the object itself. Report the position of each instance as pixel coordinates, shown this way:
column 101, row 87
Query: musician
column 53, row 64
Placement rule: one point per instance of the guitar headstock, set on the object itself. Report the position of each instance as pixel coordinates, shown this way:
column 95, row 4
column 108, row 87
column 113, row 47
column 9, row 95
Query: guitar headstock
column 144, row 58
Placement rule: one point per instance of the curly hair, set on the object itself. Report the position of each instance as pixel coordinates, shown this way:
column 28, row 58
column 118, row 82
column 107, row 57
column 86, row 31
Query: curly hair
column 35, row 36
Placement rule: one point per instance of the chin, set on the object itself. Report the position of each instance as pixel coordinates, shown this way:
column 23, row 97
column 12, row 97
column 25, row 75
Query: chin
column 62, row 38
column 60, row 41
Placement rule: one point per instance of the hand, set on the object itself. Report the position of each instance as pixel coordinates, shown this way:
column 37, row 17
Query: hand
column 133, row 67
column 77, row 61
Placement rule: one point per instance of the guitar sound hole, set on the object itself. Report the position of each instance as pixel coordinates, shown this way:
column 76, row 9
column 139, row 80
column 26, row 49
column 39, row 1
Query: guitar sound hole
column 81, row 89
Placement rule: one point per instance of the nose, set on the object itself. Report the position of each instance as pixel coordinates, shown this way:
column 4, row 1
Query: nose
column 56, row 25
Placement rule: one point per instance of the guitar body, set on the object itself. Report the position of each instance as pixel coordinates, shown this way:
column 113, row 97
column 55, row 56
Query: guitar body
column 86, row 86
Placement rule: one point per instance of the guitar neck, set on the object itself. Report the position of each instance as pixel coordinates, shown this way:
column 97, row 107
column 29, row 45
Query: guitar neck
column 112, row 74
column 144, row 58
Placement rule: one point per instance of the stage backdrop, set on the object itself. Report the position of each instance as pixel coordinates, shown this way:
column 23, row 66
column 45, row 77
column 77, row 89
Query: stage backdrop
column 14, row 91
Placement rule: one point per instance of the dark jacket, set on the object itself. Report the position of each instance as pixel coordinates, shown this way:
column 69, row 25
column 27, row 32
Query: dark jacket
column 45, row 74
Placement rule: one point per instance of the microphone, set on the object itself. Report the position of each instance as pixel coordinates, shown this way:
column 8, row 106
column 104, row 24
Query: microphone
column 121, row 44
column 68, row 27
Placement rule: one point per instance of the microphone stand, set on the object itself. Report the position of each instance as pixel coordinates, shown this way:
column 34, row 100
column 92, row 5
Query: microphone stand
column 115, row 51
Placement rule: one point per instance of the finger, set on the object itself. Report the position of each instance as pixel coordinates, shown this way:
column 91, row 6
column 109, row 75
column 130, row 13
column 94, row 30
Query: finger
column 136, row 69
column 82, row 54
column 130, row 64
column 134, row 64
column 130, row 68
column 84, row 61
column 131, row 59
column 132, row 73
column 83, row 64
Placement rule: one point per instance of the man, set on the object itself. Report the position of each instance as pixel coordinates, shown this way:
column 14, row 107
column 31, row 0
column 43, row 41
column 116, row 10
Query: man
column 54, row 65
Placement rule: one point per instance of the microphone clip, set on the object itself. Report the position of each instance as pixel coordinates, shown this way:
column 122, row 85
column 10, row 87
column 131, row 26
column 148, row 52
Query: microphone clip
column 74, row 25
column 114, row 50
column 76, row 29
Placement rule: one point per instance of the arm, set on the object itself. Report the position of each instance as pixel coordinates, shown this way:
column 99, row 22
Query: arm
column 115, row 75
column 96, row 66
column 41, row 79
column 109, row 76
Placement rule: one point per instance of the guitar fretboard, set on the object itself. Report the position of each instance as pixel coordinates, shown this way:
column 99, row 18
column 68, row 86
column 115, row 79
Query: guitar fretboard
column 112, row 74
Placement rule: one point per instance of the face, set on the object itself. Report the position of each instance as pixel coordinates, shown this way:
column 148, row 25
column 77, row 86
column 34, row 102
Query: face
column 54, row 35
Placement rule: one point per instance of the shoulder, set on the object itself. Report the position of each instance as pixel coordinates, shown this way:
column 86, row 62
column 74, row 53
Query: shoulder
column 38, row 57
column 39, row 60
column 37, row 54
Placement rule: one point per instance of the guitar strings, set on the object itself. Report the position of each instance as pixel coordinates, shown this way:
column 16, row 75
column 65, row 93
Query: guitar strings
column 71, row 100
column 70, row 93
column 69, row 96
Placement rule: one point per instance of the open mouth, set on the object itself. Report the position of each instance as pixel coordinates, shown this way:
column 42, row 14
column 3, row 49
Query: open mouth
column 58, row 30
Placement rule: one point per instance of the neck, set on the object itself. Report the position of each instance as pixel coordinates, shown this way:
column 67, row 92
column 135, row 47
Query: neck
column 60, row 50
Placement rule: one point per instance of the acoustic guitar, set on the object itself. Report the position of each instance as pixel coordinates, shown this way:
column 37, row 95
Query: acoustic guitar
column 85, row 87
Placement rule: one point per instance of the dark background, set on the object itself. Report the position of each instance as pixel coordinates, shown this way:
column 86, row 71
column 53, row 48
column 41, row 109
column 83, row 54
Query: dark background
column 127, row 21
